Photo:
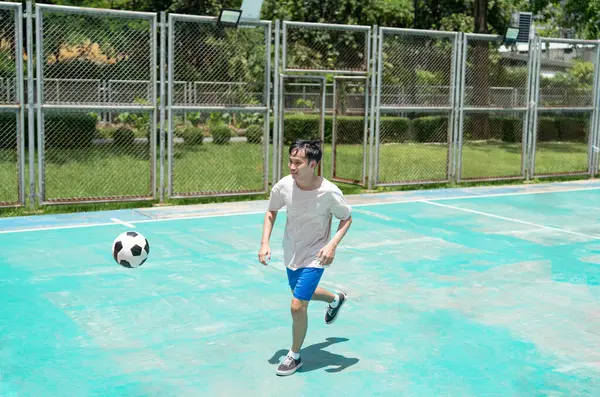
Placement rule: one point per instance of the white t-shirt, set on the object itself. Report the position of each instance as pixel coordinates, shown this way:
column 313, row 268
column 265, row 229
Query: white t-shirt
column 309, row 215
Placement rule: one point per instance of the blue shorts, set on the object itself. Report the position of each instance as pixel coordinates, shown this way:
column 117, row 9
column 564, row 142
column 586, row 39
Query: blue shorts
column 304, row 281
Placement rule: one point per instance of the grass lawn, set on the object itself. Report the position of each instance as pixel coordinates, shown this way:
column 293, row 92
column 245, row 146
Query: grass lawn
column 428, row 162
column 213, row 168
column 106, row 171
column 9, row 174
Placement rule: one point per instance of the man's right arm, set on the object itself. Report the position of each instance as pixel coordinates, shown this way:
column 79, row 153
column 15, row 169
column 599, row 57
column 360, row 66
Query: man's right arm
column 275, row 204
column 269, row 221
column 264, row 253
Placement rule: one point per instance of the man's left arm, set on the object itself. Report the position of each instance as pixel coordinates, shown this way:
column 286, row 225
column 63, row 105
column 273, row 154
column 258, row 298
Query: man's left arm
column 341, row 210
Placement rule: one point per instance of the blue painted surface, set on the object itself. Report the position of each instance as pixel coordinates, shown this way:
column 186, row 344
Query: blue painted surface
column 442, row 302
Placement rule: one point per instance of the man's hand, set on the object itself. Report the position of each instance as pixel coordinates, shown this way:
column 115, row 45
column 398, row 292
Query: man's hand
column 327, row 254
column 264, row 253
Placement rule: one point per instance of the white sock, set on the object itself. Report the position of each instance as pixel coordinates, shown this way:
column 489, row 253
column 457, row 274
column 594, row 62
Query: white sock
column 294, row 355
column 335, row 301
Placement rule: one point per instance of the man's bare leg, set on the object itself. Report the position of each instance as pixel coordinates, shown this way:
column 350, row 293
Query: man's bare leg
column 335, row 301
column 292, row 360
column 322, row 295
column 300, row 323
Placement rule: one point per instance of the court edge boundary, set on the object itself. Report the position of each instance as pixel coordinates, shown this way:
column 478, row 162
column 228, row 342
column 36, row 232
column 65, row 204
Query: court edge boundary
column 130, row 224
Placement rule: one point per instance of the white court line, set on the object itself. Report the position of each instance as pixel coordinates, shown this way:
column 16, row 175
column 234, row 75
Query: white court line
column 39, row 229
column 414, row 200
column 417, row 200
column 120, row 222
column 201, row 216
column 512, row 220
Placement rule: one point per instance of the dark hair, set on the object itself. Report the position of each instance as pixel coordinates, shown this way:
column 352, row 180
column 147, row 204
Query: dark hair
column 311, row 148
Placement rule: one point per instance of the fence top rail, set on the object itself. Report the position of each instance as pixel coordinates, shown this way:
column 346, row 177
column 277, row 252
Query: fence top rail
column 302, row 77
column 565, row 109
column 343, row 78
column 418, row 32
column 568, row 41
column 483, row 36
column 96, row 11
column 365, row 28
column 325, row 71
column 7, row 5
column 214, row 20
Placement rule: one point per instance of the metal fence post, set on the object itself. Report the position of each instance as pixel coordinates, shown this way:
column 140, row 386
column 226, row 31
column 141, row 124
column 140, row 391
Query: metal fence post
column 163, row 34
column 267, row 102
column 536, row 97
column 276, row 99
column 39, row 74
column 169, row 104
column 372, row 91
column 154, row 59
column 594, row 133
column 20, row 99
column 30, row 107
column 527, row 130
column 455, row 87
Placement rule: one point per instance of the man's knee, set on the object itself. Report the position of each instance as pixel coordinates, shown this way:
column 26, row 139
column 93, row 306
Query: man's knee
column 298, row 307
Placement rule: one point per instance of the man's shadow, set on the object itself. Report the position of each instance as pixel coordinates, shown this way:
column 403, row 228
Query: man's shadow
column 313, row 357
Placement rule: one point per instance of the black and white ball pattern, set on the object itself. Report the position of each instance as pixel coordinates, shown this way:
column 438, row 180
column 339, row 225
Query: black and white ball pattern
column 131, row 249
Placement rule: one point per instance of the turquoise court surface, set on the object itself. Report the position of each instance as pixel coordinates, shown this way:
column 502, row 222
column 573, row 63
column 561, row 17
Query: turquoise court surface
column 460, row 292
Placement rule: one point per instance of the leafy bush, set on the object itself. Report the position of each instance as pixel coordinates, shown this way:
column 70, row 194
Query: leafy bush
column 547, row 129
column 69, row 130
column 511, row 129
column 431, row 129
column 301, row 126
column 350, row 129
column 394, row 129
column 254, row 134
column 191, row 135
column 8, row 130
column 221, row 135
column 123, row 136
column 573, row 129
column 62, row 130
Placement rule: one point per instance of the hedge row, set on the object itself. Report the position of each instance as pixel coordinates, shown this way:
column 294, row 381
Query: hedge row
column 434, row 129
column 61, row 130
column 567, row 129
column 350, row 129
column 77, row 130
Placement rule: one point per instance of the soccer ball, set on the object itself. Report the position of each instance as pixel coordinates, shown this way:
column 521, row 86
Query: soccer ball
column 130, row 249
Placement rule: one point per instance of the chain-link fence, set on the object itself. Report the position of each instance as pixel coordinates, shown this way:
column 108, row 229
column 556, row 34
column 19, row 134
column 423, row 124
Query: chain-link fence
column 305, row 120
column 493, row 110
column 314, row 56
column 81, row 157
column 393, row 106
column 218, row 153
column 566, row 87
column 86, row 161
column 326, row 47
column 12, row 151
column 349, row 129
column 218, row 125
column 415, row 106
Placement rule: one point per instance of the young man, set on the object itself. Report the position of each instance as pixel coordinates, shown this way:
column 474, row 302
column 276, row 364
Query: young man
column 311, row 202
